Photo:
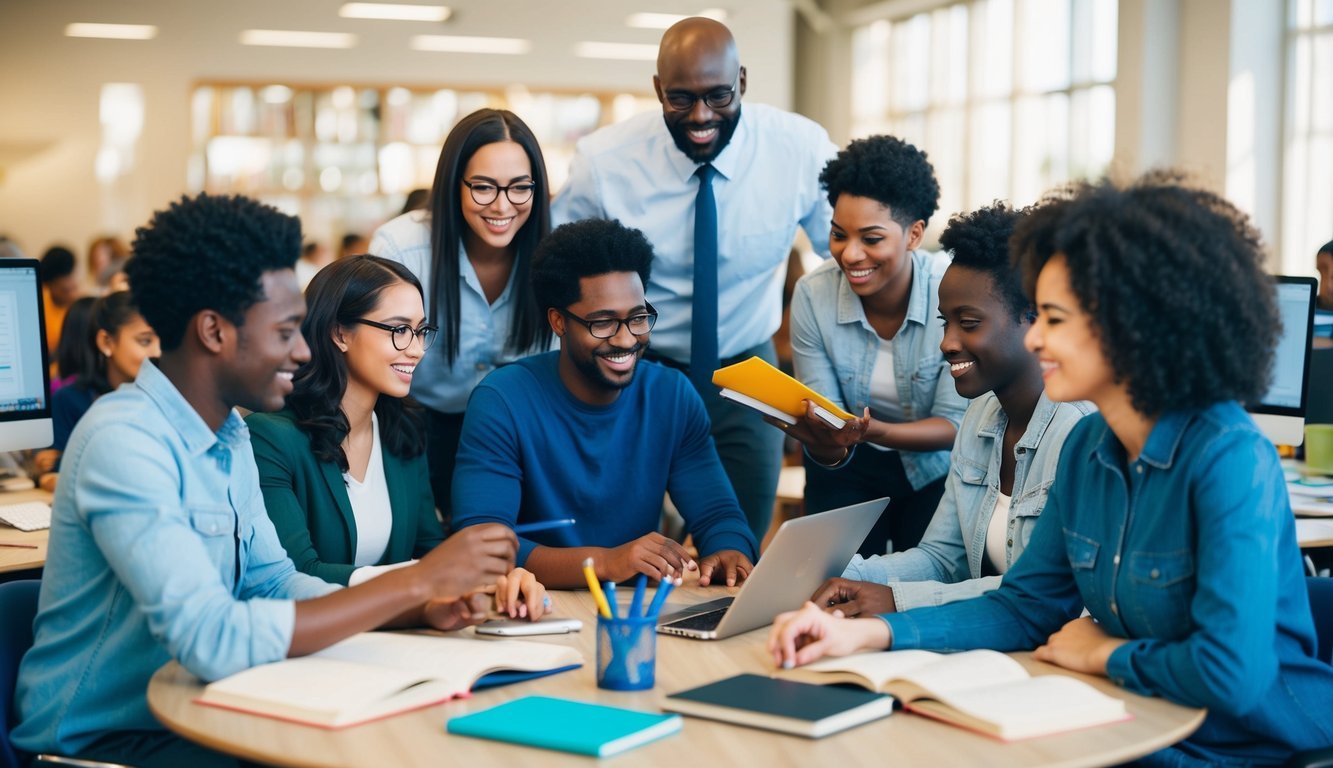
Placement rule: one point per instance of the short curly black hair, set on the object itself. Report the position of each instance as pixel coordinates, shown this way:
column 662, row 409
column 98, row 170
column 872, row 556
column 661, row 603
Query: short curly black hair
column 888, row 170
column 585, row 249
column 57, row 262
column 1173, row 279
column 980, row 241
column 207, row 252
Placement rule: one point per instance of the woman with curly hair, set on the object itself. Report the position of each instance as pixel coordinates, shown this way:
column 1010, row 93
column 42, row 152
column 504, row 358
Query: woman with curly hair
column 471, row 247
column 864, row 334
column 1169, row 518
column 1008, row 447
column 343, row 467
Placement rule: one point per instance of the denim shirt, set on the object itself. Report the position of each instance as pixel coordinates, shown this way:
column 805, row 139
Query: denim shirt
column 946, row 565
column 160, row 549
column 1188, row 552
column 483, row 330
column 834, row 348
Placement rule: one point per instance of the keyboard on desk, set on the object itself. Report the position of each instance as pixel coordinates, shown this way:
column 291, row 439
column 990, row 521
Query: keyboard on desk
column 703, row 617
column 27, row 515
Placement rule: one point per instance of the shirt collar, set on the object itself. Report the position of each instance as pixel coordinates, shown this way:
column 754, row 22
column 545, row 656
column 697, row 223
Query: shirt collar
column 726, row 163
column 850, row 309
column 1160, row 450
column 196, row 435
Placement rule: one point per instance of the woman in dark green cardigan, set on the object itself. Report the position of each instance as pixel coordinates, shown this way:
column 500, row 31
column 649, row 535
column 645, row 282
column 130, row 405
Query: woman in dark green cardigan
column 343, row 466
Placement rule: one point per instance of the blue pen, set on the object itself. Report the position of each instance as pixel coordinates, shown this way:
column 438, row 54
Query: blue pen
column 663, row 589
column 542, row 525
column 610, row 589
column 636, row 605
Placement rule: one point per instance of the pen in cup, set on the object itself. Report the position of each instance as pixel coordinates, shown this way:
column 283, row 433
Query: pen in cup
column 596, row 589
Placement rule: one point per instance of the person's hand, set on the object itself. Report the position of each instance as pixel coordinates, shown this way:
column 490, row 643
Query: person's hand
column 800, row 637
column 47, row 482
column 1081, row 645
column 854, row 598
column 825, row 444
column 470, row 560
column 652, row 554
column 516, row 583
column 45, row 461
column 449, row 613
column 733, row 565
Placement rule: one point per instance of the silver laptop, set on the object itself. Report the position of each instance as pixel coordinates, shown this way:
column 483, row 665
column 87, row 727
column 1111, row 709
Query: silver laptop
column 803, row 554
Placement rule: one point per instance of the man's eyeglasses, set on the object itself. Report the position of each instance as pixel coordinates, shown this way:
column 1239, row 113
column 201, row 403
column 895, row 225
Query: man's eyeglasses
column 402, row 334
column 485, row 192
column 608, row 327
column 720, row 98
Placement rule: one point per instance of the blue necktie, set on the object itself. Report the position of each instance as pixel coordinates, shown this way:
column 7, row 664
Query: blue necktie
column 703, row 323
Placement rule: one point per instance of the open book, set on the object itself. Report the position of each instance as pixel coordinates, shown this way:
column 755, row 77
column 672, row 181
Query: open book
column 376, row 674
column 764, row 388
column 984, row 691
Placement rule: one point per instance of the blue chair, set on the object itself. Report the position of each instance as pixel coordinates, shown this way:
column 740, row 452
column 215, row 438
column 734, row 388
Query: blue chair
column 18, row 604
column 1321, row 605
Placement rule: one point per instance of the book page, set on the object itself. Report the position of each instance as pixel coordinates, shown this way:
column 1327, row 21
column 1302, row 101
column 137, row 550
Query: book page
column 312, row 689
column 458, row 660
column 1032, row 707
column 877, row 668
column 958, row 672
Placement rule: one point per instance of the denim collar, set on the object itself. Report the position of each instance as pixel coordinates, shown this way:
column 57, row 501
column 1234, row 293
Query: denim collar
column 726, row 163
column 995, row 420
column 194, row 433
column 850, row 309
column 1162, row 446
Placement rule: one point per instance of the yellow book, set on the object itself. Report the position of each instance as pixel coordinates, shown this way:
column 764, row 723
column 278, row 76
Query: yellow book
column 764, row 388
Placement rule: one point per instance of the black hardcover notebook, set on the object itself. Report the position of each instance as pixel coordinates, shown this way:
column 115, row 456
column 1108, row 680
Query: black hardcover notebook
column 787, row 706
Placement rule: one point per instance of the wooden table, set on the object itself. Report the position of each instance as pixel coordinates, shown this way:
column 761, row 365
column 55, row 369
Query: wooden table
column 19, row 558
column 418, row 738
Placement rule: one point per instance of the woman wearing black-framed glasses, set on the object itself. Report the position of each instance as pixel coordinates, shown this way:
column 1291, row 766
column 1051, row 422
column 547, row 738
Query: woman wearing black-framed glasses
column 343, row 467
column 471, row 247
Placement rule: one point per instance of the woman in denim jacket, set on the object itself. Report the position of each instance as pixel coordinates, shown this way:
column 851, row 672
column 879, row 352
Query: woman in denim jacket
column 1007, row 449
column 1169, row 517
column 864, row 334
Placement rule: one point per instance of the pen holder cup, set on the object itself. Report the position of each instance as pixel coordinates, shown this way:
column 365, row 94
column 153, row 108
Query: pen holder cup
column 626, row 653
column 1319, row 448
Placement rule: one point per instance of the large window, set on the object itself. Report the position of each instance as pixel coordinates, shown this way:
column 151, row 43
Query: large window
column 1008, row 97
column 1307, row 205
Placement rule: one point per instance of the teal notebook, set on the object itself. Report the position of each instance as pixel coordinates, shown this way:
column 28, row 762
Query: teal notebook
column 567, row 726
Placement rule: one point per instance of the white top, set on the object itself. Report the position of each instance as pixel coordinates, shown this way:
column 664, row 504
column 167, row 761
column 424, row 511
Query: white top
column 885, row 404
column 997, row 534
column 370, row 504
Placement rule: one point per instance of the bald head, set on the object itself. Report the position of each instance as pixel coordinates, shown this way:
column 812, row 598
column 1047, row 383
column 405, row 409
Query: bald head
column 695, row 39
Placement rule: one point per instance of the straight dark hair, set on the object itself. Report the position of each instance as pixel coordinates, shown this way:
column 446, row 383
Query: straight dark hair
column 340, row 294
column 76, row 352
column 110, row 313
column 529, row 329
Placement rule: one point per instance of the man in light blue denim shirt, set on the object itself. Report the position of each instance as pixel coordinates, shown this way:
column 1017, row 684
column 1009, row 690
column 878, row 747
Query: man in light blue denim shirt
column 160, row 546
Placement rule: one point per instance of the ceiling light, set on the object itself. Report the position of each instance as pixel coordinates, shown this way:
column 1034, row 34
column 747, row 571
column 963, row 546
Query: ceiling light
column 112, row 31
column 664, row 20
column 460, row 44
column 297, row 39
column 625, row 51
column 394, row 12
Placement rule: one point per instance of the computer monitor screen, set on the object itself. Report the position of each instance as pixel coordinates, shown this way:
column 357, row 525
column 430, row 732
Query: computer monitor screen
column 25, row 403
column 1281, row 411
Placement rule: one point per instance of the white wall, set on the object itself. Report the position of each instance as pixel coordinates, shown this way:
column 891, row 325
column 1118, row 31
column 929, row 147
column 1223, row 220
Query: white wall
column 49, row 132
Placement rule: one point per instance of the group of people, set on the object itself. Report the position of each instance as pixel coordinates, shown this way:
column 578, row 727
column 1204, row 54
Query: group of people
column 1051, row 405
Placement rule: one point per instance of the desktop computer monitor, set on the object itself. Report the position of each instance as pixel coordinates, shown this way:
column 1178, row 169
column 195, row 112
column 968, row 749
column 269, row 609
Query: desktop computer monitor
column 25, row 383
column 1280, row 413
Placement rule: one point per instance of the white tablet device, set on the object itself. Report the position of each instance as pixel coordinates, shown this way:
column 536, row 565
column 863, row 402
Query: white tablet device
column 519, row 627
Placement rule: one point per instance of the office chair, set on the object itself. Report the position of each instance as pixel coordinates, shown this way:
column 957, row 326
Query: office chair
column 1321, row 605
column 18, row 604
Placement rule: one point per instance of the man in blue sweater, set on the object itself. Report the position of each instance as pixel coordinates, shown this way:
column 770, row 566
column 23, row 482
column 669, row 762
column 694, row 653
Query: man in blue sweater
column 594, row 433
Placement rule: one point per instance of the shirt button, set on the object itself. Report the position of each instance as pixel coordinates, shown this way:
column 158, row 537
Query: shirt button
column 1116, row 560
column 1154, row 573
column 1139, row 468
column 1011, row 542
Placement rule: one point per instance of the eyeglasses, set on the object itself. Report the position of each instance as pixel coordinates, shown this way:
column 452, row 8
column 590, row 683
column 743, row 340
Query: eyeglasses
column 608, row 327
column 683, row 101
column 402, row 334
column 485, row 192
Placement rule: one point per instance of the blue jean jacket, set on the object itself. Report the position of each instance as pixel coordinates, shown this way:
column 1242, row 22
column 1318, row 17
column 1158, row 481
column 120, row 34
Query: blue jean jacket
column 1189, row 553
column 834, row 346
column 946, row 565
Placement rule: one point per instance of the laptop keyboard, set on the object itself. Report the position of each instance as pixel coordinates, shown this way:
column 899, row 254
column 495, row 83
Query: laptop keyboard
column 703, row 621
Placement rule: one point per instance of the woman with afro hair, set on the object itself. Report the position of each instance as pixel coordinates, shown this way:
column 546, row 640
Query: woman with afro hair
column 864, row 334
column 1169, row 518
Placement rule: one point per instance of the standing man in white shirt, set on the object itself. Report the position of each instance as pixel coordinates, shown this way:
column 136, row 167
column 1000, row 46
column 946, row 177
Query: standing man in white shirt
column 710, row 187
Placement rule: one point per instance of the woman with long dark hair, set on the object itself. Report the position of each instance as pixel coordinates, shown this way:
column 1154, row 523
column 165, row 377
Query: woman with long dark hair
column 471, row 248
column 343, row 466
